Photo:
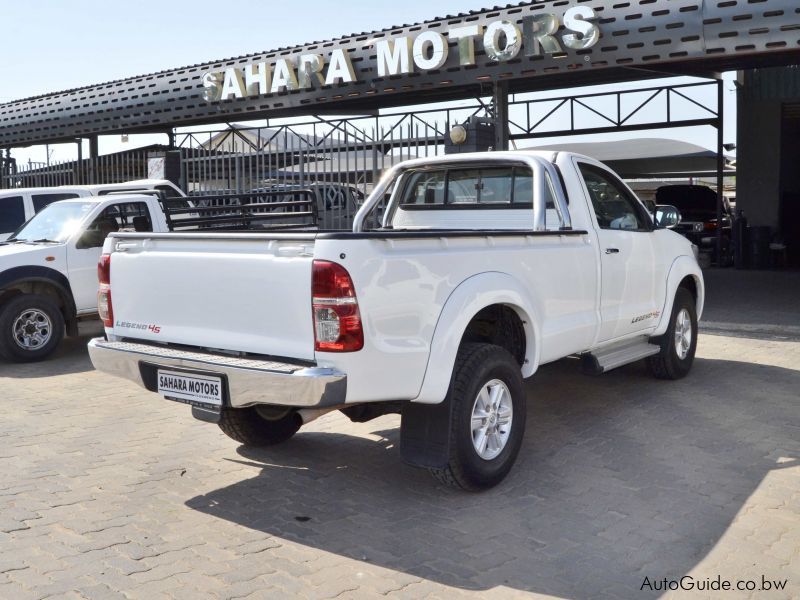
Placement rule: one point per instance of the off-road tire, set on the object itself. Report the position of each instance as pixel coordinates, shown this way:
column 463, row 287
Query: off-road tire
column 249, row 428
column 667, row 364
column 476, row 365
column 11, row 310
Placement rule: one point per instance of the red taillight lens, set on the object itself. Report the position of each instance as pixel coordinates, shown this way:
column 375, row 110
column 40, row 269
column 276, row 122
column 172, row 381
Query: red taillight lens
column 104, row 308
column 104, row 269
column 337, row 320
column 710, row 225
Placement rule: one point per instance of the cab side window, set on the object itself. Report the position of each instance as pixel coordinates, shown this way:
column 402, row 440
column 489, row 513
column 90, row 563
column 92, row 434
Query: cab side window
column 128, row 216
column 12, row 213
column 42, row 200
column 613, row 205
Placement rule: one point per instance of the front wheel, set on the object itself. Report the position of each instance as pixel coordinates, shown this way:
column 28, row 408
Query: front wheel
column 31, row 328
column 487, row 417
column 256, row 429
column 679, row 344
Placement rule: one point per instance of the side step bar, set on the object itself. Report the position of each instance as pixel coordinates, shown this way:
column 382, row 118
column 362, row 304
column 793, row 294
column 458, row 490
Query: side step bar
column 606, row 359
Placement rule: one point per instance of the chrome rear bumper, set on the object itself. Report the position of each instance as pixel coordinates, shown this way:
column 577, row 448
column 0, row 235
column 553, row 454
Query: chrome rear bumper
column 250, row 382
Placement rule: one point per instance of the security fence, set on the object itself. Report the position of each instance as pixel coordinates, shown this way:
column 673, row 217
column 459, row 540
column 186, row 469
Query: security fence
column 110, row 168
column 339, row 160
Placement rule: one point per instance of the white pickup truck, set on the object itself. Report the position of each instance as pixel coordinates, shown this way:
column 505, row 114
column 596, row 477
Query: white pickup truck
column 480, row 269
column 48, row 268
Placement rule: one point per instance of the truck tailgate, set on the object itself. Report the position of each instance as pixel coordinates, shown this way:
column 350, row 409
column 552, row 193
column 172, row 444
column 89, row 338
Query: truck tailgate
column 247, row 295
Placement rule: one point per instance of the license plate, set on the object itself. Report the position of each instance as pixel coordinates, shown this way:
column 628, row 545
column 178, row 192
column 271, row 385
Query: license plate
column 190, row 388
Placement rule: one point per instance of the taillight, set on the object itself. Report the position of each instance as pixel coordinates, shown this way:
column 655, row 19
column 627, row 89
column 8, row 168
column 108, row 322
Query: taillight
column 337, row 321
column 104, row 269
column 710, row 225
column 104, row 307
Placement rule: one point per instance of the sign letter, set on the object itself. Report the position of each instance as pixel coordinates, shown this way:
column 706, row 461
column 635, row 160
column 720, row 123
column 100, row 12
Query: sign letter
column 340, row 68
column 430, row 42
column 491, row 40
column 394, row 56
column 466, row 42
column 284, row 77
column 212, row 86
column 233, row 84
column 577, row 19
column 540, row 35
column 309, row 71
column 256, row 78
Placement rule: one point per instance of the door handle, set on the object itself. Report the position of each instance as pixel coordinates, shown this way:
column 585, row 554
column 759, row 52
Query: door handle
column 612, row 250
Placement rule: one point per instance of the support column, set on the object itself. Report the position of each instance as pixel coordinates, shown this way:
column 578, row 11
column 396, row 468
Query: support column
column 500, row 102
column 77, row 175
column 720, row 165
column 93, row 152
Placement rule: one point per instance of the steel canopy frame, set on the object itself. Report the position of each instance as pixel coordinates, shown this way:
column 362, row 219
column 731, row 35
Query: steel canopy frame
column 639, row 39
column 617, row 117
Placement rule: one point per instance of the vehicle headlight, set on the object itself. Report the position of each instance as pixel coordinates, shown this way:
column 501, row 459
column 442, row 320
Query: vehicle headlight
column 696, row 252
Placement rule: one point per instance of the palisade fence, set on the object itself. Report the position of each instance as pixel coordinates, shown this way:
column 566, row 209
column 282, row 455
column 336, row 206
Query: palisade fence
column 339, row 159
column 111, row 168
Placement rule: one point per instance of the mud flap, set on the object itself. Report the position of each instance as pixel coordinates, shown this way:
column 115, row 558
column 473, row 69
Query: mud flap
column 425, row 434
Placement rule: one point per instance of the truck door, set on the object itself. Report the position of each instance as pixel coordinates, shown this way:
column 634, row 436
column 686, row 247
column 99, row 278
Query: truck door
column 629, row 300
column 83, row 252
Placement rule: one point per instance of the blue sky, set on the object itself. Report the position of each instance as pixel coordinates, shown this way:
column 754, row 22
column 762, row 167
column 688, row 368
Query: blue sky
column 60, row 45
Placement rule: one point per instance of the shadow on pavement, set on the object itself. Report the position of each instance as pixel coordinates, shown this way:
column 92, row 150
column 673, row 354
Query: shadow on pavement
column 71, row 357
column 619, row 477
column 759, row 305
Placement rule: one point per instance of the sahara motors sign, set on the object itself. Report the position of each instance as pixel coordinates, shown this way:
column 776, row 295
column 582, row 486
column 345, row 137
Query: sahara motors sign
column 502, row 40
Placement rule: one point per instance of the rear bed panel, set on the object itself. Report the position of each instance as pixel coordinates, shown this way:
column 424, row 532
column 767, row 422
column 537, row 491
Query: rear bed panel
column 248, row 295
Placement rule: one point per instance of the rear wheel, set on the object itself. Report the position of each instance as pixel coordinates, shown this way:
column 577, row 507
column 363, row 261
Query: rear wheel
column 488, row 418
column 255, row 428
column 679, row 344
column 31, row 328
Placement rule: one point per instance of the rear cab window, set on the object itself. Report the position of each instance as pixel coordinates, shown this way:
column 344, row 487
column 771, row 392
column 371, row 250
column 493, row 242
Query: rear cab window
column 468, row 187
column 443, row 197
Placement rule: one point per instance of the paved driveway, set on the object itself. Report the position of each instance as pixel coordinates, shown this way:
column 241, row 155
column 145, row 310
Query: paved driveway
column 108, row 491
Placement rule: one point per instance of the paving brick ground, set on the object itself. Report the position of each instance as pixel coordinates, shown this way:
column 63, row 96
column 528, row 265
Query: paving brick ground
column 106, row 491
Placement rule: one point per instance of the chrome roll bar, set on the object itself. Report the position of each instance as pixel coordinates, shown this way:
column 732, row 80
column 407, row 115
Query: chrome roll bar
column 541, row 168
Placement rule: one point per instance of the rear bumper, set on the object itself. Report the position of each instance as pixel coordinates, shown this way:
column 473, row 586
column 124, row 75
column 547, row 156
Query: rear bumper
column 249, row 382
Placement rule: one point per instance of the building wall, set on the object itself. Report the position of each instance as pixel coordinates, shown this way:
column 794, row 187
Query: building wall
column 764, row 173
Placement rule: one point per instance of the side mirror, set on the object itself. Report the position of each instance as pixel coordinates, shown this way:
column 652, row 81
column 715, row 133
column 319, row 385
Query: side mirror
column 666, row 217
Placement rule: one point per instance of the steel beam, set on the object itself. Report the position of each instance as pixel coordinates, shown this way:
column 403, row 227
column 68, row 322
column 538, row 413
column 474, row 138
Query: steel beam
column 664, row 36
column 500, row 106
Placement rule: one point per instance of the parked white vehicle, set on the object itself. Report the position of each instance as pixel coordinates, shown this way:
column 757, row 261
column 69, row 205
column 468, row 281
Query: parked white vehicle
column 17, row 205
column 484, row 268
column 48, row 269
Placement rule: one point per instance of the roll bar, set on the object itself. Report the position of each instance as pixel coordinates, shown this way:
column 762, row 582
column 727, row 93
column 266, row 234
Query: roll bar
column 541, row 168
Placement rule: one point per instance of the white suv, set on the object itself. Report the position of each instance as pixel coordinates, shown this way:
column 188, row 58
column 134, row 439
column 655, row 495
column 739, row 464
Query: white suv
column 20, row 204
